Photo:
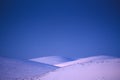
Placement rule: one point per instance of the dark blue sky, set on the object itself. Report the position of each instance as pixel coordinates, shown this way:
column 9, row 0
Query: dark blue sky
column 70, row 28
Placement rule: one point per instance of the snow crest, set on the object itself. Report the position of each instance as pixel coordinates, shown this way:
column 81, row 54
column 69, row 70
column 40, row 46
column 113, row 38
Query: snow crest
column 52, row 60
column 104, row 69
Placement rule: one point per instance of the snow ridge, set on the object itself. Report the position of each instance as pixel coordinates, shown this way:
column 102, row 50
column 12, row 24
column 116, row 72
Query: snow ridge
column 103, row 69
column 52, row 60
column 83, row 60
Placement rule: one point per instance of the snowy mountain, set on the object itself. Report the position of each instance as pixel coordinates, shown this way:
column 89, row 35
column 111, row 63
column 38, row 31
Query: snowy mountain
column 11, row 69
column 106, row 69
column 52, row 60
column 82, row 60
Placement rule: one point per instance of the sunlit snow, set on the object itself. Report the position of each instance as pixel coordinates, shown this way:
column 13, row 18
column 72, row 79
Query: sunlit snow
column 52, row 60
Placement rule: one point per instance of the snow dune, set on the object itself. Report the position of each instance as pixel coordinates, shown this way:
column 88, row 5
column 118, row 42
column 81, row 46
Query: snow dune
column 52, row 60
column 22, row 70
column 104, row 69
column 91, row 68
column 83, row 60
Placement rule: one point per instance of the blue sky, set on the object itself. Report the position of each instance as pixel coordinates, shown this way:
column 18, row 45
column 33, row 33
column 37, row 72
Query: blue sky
column 70, row 28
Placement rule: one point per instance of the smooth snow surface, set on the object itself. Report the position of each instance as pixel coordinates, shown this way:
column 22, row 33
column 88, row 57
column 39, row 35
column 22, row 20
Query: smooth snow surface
column 22, row 70
column 82, row 60
column 52, row 60
column 106, row 69
column 91, row 68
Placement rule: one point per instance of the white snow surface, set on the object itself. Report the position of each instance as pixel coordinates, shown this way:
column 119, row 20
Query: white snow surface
column 83, row 60
column 104, row 69
column 52, row 60
column 11, row 69
column 91, row 68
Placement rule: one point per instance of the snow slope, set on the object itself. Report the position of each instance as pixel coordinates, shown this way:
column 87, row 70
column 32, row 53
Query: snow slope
column 22, row 70
column 52, row 60
column 82, row 60
column 106, row 69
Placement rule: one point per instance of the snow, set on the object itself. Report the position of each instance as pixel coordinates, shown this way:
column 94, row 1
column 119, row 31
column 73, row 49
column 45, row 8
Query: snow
column 82, row 60
column 106, row 69
column 91, row 68
column 52, row 60
column 11, row 69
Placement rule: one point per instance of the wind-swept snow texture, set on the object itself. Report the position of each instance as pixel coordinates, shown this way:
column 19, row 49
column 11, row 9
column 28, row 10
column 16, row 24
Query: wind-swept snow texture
column 22, row 70
column 52, row 60
column 82, row 60
column 107, row 69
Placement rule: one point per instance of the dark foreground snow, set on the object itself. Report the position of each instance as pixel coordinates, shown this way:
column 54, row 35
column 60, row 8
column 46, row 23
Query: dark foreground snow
column 20, row 70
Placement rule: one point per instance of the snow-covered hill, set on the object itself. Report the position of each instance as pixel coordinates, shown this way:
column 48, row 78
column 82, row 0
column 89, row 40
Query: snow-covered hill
column 82, row 60
column 52, row 60
column 106, row 69
column 22, row 70
column 91, row 68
